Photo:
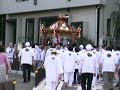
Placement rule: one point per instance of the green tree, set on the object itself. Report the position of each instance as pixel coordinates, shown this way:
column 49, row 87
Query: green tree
column 115, row 17
column 84, row 41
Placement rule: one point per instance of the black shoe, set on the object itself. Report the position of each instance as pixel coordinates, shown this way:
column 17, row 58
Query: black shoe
column 118, row 85
column 111, row 89
column 25, row 81
column 29, row 80
column 74, row 82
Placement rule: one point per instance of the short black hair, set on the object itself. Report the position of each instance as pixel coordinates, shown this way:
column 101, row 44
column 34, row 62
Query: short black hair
column 33, row 46
column 95, row 46
column 104, row 46
column 70, row 47
column 117, row 48
column 53, row 45
column 77, row 49
column 2, row 49
column 109, row 48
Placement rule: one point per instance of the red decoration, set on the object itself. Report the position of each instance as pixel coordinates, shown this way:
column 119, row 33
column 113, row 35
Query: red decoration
column 42, row 31
column 59, row 27
column 77, row 34
column 56, row 35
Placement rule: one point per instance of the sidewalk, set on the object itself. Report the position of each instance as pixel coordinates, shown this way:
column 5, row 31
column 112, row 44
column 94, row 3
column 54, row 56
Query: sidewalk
column 19, row 82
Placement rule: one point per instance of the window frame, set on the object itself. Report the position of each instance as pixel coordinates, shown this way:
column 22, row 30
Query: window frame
column 81, row 26
column 108, row 27
column 27, row 30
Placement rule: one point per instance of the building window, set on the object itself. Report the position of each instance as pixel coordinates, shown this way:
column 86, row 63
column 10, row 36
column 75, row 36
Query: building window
column 75, row 25
column 29, row 33
column 111, row 43
column 108, row 26
column 104, row 42
column 46, row 21
column 2, row 29
column 21, row 0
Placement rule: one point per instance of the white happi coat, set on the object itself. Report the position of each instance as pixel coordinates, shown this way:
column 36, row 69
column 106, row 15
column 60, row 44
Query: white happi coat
column 69, row 61
column 117, row 54
column 26, row 56
column 42, row 55
column 36, row 54
column 102, row 51
column 61, row 54
column 10, row 52
column 97, row 67
column 48, row 52
column 108, row 63
column 53, row 68
column 98, row 57
column 78, row 61
column 89, row 63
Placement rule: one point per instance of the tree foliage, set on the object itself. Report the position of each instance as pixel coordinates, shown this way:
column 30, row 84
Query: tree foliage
column 84, row 41
column 115, row 17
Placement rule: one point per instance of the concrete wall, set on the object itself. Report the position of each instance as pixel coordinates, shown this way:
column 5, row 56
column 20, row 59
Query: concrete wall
column 11, row 6
column 86, row 15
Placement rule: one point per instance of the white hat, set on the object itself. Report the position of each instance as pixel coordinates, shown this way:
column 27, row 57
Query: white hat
column 89, row 47
column 27, row 44
column 81, row 46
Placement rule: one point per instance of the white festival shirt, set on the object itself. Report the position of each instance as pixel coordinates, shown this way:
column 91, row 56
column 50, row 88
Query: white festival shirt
column 88, row 62
column 53, row 68
column 108, row 63
column 10, row 52
column 26, row 55
column 69, row 60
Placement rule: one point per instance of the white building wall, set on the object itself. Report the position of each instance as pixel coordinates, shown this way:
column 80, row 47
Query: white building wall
column 87, row 15
column 11, row 6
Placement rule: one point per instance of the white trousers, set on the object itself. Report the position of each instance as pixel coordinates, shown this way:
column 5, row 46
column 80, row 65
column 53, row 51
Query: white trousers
column 51, row 85
column 68, row 78
column 94, row 79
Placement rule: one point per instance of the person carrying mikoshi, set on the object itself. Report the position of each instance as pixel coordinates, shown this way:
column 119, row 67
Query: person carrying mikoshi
column 54, row 70
column 108, row 64
column 69, row 66
column 88, row 68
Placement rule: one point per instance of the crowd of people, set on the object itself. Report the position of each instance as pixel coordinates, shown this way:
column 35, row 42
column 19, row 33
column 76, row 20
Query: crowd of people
column 82, row 65
column 73, row 64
